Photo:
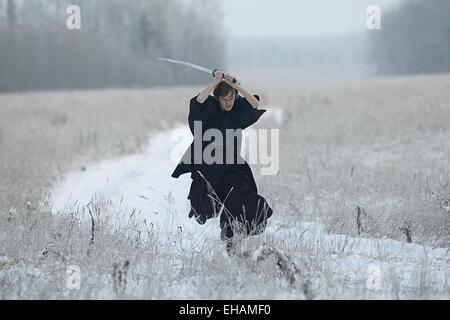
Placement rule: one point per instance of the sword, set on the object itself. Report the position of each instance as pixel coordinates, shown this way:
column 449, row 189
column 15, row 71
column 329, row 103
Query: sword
column 188, row 64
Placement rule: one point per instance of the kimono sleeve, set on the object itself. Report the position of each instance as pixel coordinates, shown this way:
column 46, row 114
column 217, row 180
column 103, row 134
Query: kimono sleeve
column 247, row 114
column 199, row 111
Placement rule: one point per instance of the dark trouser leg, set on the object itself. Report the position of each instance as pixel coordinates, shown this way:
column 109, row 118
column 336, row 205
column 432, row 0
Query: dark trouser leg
column 246, row 211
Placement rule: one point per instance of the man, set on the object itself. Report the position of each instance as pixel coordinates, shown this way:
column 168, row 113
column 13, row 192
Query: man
column 223, row 187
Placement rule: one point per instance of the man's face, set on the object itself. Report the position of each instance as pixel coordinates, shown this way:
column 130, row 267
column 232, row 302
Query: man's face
column 226, row 103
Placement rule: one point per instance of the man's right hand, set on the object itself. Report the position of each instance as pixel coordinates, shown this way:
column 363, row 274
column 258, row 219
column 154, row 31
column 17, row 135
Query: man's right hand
column 218, row 75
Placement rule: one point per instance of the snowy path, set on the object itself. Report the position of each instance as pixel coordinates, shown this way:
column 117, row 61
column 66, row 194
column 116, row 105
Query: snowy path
column 142, row 184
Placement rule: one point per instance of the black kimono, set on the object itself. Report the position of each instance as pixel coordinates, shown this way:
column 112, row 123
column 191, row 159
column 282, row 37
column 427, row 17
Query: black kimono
column 223, row 188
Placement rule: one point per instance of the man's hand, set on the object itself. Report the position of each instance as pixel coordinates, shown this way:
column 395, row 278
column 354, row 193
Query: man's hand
column 218, row 75
column 232, row 80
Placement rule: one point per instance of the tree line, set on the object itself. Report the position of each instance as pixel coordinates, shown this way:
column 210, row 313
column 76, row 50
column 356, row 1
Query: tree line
column 414, row 38
column 115, row 47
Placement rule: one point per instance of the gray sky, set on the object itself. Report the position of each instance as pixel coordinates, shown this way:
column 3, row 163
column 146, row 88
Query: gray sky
column 297, row 17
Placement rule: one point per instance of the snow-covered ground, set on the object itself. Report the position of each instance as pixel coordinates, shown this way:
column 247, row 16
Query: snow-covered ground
column 139, row 183
column 141, row 186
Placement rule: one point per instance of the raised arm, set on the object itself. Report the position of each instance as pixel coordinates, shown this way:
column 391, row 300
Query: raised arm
column 205, row 92
column 247, row 95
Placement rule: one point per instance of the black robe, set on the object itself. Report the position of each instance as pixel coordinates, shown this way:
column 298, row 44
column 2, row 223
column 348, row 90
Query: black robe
column 231, row 185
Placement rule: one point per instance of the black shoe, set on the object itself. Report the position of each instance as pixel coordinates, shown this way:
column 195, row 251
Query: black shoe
column 199, row 218
column 226, row 234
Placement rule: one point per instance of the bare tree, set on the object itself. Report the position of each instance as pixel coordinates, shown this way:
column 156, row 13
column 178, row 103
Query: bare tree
column 11, row 13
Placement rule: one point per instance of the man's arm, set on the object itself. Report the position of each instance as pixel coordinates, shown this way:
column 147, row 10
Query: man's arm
column 247, row 95
column 201, row 98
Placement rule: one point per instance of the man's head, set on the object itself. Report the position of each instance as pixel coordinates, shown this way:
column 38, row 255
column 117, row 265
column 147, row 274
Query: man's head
column 226, row 95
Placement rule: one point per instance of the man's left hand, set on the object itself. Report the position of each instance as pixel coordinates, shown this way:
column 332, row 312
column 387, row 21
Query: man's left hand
column 229, row 78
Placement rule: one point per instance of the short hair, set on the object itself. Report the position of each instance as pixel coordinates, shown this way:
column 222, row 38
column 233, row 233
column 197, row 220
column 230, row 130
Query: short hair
column 223, row 89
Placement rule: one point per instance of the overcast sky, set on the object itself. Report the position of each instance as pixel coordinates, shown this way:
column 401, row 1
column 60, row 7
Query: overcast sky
column 297, row 17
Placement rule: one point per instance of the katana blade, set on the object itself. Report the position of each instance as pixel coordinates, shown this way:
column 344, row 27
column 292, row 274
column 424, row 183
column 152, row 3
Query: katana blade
column 184, row 63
